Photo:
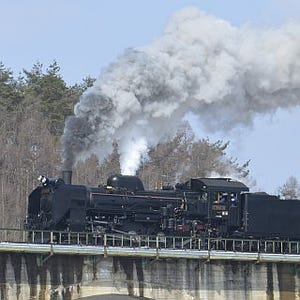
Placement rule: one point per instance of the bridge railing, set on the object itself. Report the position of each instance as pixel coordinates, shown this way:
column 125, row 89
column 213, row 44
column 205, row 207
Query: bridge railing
column 149, row 242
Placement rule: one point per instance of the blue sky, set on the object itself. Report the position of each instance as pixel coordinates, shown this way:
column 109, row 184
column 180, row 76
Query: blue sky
column 84, row 36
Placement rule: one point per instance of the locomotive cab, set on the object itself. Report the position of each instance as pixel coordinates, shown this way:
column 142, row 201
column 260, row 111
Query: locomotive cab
column 219, row 202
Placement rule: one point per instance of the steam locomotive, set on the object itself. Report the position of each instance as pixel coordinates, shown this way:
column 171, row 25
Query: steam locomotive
column 200, row 206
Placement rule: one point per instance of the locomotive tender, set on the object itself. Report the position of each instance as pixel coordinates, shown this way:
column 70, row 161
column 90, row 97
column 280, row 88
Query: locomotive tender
column 200, row 206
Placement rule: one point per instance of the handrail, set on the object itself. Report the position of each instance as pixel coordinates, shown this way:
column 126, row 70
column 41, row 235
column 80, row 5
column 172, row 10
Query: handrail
column 149, row 242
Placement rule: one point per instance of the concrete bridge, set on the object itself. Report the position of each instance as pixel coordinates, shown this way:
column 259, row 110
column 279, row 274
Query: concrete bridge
column 148, row 267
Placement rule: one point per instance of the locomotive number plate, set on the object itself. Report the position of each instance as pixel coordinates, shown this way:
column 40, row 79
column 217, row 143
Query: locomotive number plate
column 218, row 207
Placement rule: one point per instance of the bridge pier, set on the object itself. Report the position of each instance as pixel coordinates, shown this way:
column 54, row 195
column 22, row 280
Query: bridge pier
column 29, row 276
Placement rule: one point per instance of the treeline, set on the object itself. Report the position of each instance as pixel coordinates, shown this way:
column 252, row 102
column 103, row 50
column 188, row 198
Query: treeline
column 33, row 109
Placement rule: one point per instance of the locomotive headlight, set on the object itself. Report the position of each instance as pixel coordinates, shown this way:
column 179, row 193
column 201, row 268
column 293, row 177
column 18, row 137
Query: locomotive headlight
column 224, row 213
column 43, row 179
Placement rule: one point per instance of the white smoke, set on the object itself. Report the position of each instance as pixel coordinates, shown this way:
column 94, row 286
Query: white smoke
column 201, row 64
column 132, row 151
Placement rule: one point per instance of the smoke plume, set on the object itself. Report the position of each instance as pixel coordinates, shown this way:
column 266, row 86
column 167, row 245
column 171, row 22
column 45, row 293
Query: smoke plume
column 225, row 75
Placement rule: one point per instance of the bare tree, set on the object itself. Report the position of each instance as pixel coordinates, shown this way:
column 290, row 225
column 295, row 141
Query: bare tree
column 290, row 189
column 183, row 157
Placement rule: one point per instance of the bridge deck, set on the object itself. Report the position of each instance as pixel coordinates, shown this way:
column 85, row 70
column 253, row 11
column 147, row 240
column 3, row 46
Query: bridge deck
column 51, row 242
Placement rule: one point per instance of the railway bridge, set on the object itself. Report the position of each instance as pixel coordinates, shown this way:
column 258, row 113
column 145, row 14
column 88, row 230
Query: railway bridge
column 65, row 265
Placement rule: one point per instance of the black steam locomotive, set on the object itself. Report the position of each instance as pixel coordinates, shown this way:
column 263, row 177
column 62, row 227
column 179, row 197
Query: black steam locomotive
column 201, row 206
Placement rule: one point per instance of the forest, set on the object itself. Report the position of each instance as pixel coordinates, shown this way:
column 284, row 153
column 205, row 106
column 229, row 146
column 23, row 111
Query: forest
column 34, row 107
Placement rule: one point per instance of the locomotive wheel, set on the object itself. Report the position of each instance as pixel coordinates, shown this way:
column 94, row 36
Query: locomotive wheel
column 134, row 228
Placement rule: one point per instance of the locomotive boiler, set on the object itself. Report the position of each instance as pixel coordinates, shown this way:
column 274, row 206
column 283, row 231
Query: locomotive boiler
column 199, row 206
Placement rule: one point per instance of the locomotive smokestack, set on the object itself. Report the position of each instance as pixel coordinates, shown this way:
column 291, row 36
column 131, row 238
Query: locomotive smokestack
column 67, row 176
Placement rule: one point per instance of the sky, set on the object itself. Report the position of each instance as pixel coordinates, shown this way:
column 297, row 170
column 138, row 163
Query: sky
column 85, row 36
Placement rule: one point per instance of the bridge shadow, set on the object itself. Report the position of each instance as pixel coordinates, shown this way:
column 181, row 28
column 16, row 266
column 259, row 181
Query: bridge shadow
column 113, row 297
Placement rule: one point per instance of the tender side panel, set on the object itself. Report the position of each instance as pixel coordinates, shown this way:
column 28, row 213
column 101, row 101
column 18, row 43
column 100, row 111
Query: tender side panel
column 268, row 216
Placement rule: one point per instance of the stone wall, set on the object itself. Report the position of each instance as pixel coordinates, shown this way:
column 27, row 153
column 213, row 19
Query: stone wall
column 32, row 276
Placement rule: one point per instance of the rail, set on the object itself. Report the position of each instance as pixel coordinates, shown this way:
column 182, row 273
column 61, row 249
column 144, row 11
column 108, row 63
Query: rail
column 149, row 242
